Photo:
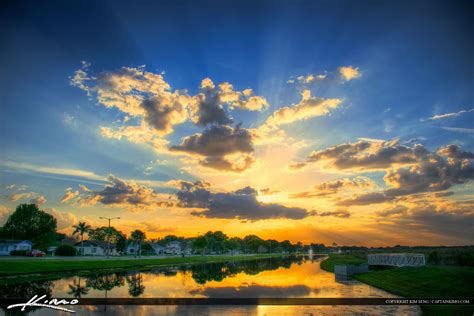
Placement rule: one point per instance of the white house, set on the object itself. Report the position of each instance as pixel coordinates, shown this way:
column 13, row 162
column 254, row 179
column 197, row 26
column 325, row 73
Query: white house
column 173, row 248
column 7, row 246
column 95, row 248
column 159, row 250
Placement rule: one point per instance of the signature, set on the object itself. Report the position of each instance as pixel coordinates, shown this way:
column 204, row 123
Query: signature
column 36, row 301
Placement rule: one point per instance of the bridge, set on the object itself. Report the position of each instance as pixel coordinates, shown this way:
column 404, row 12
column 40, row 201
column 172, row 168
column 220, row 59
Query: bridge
column 396, row 259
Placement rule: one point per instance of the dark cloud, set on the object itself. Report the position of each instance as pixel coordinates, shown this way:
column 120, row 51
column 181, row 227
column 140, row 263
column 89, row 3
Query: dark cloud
column 210, row 102
column 365, row 155
column 242, row 204
column 409, row 170
column 454, row 151
column 210, row 108
column 268, row 191
column 333, row 187
column 395, row 211
column 162, row 112
column 455, row 221
column 338, row 213
column 217, row 142
column 365, row 199
column 126, row 193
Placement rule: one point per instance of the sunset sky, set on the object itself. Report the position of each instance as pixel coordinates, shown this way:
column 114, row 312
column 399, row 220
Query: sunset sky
column 314, row 121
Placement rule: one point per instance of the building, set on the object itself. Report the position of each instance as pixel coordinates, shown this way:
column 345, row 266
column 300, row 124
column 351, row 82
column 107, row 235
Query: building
column 173, row 248
column 159, row 250
column 96, row 248
column 8, row 245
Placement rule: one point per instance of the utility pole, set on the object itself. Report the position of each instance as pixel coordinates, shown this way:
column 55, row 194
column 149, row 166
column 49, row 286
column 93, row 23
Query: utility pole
column 108, row 233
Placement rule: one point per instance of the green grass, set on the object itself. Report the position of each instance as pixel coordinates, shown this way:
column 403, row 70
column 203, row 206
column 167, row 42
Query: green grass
column 329, row 263
column 418, row 282
column 33, row 266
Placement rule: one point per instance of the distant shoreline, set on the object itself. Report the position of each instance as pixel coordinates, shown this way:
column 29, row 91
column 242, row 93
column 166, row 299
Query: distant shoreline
column 25, row 267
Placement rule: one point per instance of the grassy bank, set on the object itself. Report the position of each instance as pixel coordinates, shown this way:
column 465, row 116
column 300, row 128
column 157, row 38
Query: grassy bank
column 329, row 263
column 419, row 282
column 32, row 266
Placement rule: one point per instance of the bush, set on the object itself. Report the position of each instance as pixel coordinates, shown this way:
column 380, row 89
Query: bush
column 66, row 250
column 433, row 257
column 465, row 259
column 18, row 253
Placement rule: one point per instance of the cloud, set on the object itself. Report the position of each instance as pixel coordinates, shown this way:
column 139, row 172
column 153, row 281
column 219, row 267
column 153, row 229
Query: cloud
column 338, row 213
column 51, row 170
column 216, row 143
column 140, row 93
column 364, row 155
column 69, row 195
column 4, row 214
column 64, row 219
column 454, row 151
column 459, row 129
column 307, row 108
column 22, row 196
column 365, row 199
column 333, row 187
column 393, row 211
column 268, row 191
column 129, row 194
column 241, row 204
column 453, row 219
column 210, row 101
column 164, row 111
column 450, row 115
column 38, row 200
column 348, row 73
column 424, row 171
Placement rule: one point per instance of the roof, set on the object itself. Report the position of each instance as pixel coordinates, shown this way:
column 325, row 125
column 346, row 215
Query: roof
column 68, row 240
column 14, row 241
column 97, row 243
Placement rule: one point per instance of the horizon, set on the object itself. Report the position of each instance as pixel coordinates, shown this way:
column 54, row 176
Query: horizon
column 312, row 122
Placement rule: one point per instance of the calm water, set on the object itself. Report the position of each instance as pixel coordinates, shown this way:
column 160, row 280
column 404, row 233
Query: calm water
column 282, row 277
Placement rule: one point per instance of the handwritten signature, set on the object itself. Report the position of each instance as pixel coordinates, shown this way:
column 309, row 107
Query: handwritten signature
column 36, row 301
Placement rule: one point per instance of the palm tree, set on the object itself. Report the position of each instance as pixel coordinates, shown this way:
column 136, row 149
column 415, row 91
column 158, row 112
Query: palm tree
column 138, row 236
column 135, row 287
column 77, row 290
column 80, row 229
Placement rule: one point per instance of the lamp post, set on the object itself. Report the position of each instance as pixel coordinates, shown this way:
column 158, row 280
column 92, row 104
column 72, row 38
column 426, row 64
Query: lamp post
column 108, row 233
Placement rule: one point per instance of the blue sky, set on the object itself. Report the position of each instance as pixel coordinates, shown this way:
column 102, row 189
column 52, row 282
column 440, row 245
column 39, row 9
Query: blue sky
column 414, row 60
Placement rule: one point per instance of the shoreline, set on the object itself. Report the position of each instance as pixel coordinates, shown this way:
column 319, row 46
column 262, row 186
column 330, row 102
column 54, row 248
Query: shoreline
column 10, row 268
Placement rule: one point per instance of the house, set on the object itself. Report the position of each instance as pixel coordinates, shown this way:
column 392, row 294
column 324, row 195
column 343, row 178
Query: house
column 159, row 249
column 8, row 245
column 95, row 248
column 173, row 248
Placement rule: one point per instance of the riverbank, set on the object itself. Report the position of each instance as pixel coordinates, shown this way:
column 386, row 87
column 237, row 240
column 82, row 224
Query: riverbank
column 419, row 282
column 23, row 267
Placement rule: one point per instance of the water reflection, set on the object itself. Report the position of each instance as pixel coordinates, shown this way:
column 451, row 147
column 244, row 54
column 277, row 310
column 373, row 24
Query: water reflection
column 276, row 277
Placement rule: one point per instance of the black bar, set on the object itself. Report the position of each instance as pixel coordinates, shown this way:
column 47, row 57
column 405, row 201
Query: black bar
column 257, row 301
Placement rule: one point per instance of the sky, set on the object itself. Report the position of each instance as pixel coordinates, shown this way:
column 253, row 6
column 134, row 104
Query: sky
column 314, row 121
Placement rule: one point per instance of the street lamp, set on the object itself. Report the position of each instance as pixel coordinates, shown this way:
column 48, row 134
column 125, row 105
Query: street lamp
column 108, row 233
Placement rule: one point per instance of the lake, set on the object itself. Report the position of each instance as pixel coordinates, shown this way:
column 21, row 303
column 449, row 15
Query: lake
column 275, row 277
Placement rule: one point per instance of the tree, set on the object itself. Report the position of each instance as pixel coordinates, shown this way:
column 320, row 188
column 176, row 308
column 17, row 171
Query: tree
column 101, row 233
column 29, row 222
column 80, row 229
column 138, row 236
column 200, row 244
column 76, row 289
column 121, row 244
column 231, row 244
